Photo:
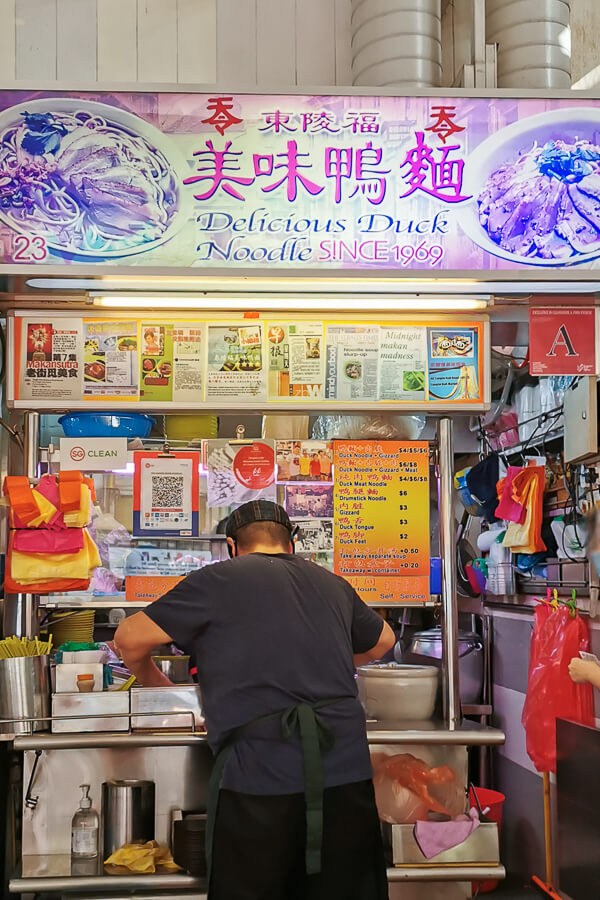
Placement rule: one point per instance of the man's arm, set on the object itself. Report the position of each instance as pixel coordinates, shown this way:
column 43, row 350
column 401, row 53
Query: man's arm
column 386, row 641
column 135, row 639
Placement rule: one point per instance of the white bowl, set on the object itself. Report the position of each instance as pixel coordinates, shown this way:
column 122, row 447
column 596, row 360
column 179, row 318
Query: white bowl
column 396, row 692
column 504, row 147
column 163, row 142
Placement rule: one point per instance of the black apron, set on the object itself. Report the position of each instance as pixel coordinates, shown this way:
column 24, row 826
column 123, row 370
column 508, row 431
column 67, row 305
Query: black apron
column 316, row 738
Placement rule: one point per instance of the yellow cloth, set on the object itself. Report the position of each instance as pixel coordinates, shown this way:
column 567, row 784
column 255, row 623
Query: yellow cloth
column 305, row 465
column 35, row 568
column 80, row 517
column 143, row 859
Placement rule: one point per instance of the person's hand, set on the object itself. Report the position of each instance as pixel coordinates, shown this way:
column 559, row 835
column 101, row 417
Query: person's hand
column 583, row 671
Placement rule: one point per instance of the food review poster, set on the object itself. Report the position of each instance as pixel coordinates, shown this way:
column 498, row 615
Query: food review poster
column 152, row 180
column 195, row 363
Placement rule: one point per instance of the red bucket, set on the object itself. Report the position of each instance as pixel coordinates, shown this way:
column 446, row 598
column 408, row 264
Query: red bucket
column 495, row 801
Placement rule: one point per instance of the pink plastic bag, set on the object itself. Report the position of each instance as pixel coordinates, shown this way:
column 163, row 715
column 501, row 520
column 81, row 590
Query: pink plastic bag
column 551, row 694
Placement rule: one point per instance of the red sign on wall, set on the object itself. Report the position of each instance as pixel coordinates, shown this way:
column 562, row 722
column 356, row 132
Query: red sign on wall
column 562, row 341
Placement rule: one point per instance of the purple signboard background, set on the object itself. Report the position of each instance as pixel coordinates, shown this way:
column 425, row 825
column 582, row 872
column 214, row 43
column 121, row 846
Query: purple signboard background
column 296, row 182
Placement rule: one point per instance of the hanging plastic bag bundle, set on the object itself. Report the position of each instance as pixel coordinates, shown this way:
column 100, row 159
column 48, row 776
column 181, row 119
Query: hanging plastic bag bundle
column 557, row 637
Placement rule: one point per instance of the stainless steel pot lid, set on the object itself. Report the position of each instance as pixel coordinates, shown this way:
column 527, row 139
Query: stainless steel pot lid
column 385, row 670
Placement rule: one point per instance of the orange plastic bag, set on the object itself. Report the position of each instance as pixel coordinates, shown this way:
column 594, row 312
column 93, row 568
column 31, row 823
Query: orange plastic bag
column 551, row 694
column 407, row 789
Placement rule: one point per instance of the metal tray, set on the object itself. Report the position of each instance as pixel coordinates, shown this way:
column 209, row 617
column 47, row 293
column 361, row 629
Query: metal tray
column 480, row 848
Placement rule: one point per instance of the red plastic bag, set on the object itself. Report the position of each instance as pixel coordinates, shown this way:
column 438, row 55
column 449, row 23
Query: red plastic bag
column 557, row 637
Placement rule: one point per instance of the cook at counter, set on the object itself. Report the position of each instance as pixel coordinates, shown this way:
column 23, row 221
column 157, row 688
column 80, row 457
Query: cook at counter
column 276, row 638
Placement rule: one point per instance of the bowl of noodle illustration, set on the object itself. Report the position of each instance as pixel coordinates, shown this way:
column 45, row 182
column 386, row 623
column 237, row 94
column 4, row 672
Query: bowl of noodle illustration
column 535, row 186
column 90, row 179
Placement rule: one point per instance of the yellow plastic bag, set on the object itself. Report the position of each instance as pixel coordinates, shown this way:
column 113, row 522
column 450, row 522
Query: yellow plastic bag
column 143, row 859
column 33, row 568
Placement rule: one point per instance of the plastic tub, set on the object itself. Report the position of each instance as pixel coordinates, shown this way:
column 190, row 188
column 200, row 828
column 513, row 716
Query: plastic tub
column 494, row 801
column 191, row 427
column 91, row 424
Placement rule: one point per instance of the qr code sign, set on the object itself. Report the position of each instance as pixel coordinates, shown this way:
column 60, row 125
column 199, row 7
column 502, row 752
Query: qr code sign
column 167, row 492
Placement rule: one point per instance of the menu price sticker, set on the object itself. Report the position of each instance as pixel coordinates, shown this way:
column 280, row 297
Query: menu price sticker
column 381, row 502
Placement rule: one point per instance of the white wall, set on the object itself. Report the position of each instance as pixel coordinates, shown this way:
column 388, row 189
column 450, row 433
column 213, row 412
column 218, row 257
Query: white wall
column 230, row 43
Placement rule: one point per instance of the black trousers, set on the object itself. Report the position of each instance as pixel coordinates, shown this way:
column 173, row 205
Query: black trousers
column 259, row 844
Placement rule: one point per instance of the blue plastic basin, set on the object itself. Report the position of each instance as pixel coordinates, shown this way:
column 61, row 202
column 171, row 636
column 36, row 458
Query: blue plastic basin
column 92, row 424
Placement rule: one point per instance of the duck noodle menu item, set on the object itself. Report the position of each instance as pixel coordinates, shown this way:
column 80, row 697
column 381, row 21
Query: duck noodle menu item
column 235, row 367
column 52, row 352
column 110, row 359
column 385, row 558
column 87, row 178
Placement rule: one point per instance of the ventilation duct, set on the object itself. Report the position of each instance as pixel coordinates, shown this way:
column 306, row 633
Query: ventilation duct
column 534, row 46
column 396, row 43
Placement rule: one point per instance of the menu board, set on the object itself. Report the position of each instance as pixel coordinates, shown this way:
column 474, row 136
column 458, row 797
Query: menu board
column 381, row 516
column 177, row 363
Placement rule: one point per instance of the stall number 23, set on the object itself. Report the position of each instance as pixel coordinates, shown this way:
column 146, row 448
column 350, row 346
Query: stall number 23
column 29, row 249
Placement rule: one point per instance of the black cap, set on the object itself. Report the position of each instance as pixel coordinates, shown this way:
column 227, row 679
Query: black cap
column 257, row 511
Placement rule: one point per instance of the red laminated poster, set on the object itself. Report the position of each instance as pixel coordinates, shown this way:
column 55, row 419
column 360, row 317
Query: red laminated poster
column 562, row 341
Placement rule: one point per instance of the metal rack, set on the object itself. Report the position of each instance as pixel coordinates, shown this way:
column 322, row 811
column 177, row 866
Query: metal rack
column 451, row 732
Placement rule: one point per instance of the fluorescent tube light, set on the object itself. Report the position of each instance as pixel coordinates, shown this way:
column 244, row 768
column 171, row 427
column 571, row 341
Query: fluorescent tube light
column 172, row 302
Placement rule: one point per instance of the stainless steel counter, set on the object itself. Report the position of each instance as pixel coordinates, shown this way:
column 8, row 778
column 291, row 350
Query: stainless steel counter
column 52, row 874
column 468, row 734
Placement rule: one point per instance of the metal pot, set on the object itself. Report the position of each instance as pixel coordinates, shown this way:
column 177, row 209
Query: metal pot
column 176, row 668
column 396, row 692
column 24, row 693
column 426, row 647
column 128, row 813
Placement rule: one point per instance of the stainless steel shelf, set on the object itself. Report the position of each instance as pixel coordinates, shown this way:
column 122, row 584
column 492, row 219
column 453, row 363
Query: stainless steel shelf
column 84, row 602
column 468, row 734
column 101, row 883
column 114, row 740
column 446, row 873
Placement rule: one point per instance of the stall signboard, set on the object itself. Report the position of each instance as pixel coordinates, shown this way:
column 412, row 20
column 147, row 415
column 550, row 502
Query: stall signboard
column 309, row 183
column 563, row 340
column 252, row 362
column 93, row 454
column 166, row 494
column 381, row 519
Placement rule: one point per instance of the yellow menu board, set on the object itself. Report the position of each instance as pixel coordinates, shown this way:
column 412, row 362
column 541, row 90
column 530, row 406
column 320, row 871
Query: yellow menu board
column 381, row 516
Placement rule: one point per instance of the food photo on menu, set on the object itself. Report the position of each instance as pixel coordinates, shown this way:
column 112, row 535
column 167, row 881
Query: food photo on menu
column 304, row 461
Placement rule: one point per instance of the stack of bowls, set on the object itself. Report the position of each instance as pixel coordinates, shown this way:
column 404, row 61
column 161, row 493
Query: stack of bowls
column 189, row 838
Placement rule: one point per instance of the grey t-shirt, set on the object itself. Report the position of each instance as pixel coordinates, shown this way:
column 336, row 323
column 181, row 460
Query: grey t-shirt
column 267, row 632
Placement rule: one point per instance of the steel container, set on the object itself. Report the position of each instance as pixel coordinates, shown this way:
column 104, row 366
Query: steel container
column 24, row 694
column 426, row 649
column 176, row 668
column 128, row 813
column 397, row 693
